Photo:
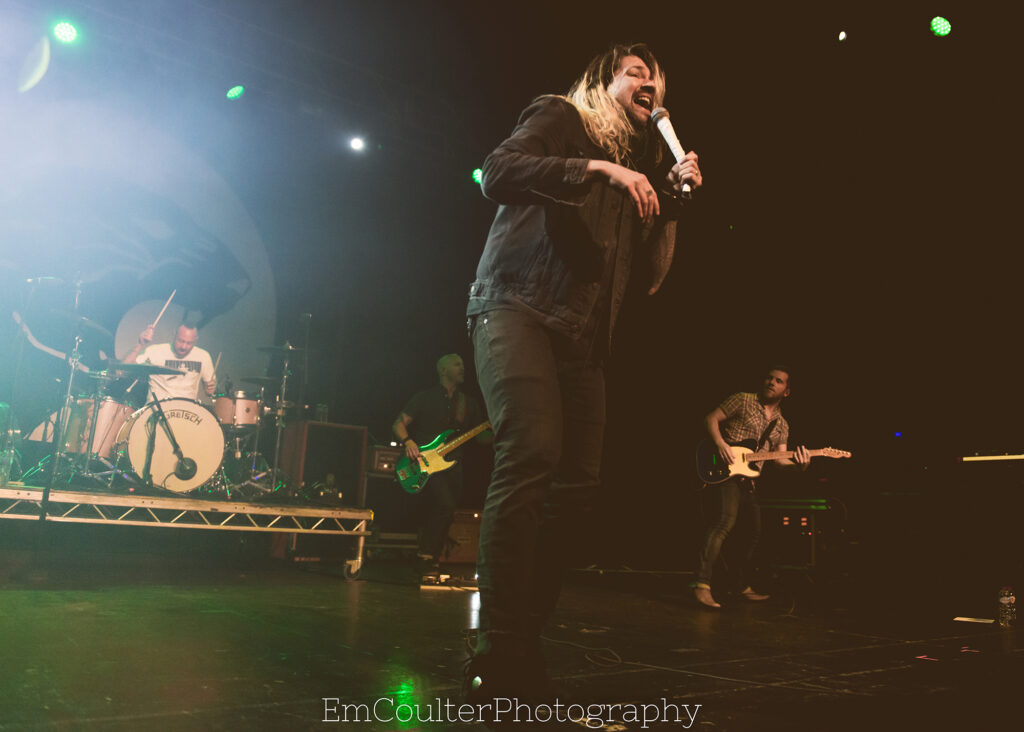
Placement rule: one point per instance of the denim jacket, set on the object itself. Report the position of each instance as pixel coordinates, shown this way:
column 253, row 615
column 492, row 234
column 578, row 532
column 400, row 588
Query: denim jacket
column 554, row 235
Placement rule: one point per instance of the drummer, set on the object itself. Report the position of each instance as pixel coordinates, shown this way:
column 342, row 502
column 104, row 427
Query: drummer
column 181, row 354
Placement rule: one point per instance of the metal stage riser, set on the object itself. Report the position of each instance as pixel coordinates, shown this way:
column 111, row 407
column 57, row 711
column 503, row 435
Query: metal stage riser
column 76, row 507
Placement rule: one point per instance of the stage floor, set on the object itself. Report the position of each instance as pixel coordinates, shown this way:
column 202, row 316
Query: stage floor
column 207, row 636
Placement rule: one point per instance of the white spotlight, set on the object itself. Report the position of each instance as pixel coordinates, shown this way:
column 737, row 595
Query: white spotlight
column 842, row 36
column 357, row 143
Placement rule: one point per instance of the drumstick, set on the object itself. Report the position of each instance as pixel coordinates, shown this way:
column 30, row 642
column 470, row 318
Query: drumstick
column 153, row 325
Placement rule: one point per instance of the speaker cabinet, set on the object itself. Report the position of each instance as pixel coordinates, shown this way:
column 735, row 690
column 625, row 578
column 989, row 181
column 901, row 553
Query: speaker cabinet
column 329, row 454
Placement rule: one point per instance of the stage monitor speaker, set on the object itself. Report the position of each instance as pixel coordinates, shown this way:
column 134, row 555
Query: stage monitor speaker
column 329, row 454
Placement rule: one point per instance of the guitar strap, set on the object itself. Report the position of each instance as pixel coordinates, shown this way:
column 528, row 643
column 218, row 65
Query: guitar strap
column 460, row 408
column 764, row 435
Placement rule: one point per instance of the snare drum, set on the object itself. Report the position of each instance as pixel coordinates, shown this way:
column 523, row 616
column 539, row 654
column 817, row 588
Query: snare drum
column 239, row 410
column 196, row 429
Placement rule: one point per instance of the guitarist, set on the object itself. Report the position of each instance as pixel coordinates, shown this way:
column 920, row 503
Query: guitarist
column 743, row 416
column 444, row 406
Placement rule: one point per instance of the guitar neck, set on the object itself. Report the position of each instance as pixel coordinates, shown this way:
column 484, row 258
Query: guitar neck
column 757, row 457
column 449, row 446
column 989, row 458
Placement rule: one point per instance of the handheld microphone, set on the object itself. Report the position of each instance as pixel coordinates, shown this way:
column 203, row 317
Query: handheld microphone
column 660, row 117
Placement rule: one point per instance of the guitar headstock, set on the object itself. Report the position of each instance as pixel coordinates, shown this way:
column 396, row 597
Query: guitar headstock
column 834, row 453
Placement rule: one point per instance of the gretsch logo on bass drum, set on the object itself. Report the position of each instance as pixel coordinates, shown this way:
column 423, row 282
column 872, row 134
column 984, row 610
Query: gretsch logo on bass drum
column 183, row 414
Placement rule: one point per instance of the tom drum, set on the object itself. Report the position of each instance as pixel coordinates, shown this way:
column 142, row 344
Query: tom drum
column 240, row 409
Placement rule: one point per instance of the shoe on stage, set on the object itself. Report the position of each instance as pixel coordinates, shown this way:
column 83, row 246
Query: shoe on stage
column 749, row 594
column 703, row 594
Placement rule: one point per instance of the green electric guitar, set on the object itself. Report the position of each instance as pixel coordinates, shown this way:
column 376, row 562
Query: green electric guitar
column 414, row 475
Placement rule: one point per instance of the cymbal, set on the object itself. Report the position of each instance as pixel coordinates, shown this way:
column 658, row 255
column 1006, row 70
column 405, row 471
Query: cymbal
column 79, row 320
column 140, row 370
column 287, row 348
column 260, row 380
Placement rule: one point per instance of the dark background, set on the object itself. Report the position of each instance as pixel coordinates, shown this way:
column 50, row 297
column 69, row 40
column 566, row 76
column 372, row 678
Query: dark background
column 858, row 219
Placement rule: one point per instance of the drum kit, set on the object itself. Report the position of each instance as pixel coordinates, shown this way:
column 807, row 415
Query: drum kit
column 178, row 445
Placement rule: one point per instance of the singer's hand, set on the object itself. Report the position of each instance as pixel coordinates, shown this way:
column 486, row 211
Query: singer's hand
column 726, row 453
column 686, row 172
column 633, row 183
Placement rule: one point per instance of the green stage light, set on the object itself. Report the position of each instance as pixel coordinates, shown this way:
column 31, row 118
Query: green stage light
column 478, row 175
column 65, row 32
column 941, row 26
column 235, row 92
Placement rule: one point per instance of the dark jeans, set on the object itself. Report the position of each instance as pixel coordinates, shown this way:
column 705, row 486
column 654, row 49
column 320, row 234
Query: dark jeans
column 437, row 504
column 548, row 415
column 735, row 513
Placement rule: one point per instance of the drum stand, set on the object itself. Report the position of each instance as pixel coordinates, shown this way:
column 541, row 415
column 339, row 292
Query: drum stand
column 250, row 481
column 63, row 422
column 105, row 476
column 279, row 410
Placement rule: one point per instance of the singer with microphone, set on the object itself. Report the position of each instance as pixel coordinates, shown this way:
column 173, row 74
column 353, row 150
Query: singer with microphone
column 586, row 184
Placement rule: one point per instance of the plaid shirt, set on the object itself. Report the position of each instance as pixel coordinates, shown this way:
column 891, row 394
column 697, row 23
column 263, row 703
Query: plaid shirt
column 745, row 419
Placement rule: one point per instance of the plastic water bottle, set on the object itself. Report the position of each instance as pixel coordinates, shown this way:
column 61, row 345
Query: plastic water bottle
column 1007, row 608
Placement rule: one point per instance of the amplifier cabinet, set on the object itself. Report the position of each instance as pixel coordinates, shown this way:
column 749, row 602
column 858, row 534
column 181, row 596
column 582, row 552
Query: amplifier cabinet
column 799, row 533
column 383, row 459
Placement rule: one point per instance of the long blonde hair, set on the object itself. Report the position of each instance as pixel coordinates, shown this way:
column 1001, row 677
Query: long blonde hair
column 604, row 119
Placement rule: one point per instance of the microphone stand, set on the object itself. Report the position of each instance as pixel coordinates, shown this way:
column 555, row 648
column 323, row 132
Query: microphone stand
column 186, row 467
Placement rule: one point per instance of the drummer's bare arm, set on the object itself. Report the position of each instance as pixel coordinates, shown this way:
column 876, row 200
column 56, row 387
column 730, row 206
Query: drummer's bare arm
column 145, row 338
column 208, row 375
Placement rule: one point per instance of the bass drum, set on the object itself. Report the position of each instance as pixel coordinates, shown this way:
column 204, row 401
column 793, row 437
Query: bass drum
column 143, row 438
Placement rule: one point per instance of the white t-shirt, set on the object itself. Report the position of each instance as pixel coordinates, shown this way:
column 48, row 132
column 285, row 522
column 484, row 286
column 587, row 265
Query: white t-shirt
column 197, row 364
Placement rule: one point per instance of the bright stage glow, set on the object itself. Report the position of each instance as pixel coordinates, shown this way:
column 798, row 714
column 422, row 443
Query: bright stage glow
column 65, row 32
column 357, row 143
column 478, row 175
column 235, row 92
column 35, row 65
column 842, row 36
column 941, row 26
